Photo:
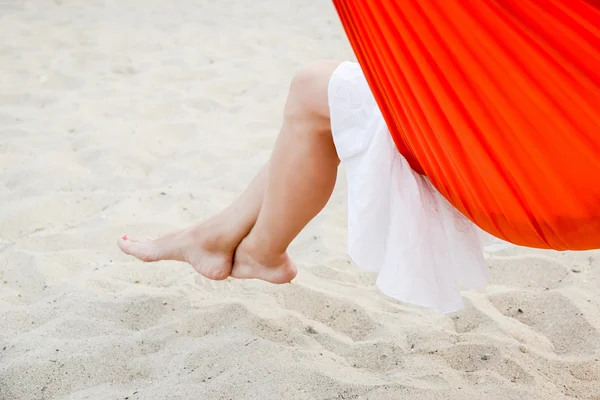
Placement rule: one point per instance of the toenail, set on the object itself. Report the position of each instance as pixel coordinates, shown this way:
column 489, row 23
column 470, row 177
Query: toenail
column 124, row 237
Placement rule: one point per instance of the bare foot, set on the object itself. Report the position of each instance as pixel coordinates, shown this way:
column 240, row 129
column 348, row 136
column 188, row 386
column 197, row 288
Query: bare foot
column 253, row 262
column 209, row 252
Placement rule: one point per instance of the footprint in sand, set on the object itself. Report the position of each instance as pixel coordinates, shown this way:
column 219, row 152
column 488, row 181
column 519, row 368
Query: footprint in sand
column 528, row 272
column 474, row 357
column 472, row 319
column 554, row 316
column 353, row 321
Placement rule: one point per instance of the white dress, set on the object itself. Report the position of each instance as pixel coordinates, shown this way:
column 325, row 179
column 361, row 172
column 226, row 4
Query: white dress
column 423, row 250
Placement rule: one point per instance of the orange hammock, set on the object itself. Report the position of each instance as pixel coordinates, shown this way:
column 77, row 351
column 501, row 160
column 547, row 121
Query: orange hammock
column 497, row 102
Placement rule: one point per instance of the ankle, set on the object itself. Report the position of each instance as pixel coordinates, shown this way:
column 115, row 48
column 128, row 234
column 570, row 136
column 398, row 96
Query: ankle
column 263, row 245
column 213, row 232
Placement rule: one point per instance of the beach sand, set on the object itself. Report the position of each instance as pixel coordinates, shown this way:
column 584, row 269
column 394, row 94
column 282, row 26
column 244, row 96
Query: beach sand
column 142, row 117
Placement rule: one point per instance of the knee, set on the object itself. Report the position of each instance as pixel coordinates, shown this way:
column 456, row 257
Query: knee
column 308, row 94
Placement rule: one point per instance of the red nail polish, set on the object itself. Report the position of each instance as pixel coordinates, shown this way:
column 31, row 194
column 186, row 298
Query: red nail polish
column 124, row 237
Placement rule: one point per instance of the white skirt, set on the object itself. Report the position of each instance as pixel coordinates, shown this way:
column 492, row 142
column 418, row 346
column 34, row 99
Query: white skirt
column 423, row 250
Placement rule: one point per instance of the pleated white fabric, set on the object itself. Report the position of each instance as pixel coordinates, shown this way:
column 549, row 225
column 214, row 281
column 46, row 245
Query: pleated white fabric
column 399, row 226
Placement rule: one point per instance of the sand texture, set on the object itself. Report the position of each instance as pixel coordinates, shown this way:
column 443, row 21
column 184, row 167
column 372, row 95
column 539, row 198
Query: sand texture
column 146, row 116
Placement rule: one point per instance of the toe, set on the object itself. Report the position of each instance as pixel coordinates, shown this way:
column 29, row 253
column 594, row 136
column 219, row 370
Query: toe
column 143, row 250
column 168, row 247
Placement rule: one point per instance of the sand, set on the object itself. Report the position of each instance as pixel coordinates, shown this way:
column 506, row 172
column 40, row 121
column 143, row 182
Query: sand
column 145, row 116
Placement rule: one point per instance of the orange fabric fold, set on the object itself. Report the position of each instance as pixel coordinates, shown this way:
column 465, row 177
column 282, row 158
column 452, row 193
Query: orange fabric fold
column 497, row 102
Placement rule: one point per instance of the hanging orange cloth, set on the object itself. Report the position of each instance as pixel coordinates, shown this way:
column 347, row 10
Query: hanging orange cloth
column 497, row 102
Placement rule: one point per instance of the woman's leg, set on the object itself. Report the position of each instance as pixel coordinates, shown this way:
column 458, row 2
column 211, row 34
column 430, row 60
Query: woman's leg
column 290, row 190
column 299, row 183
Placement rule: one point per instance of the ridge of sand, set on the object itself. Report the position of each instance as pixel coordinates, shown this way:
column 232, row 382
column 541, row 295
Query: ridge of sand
column 144, row 116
